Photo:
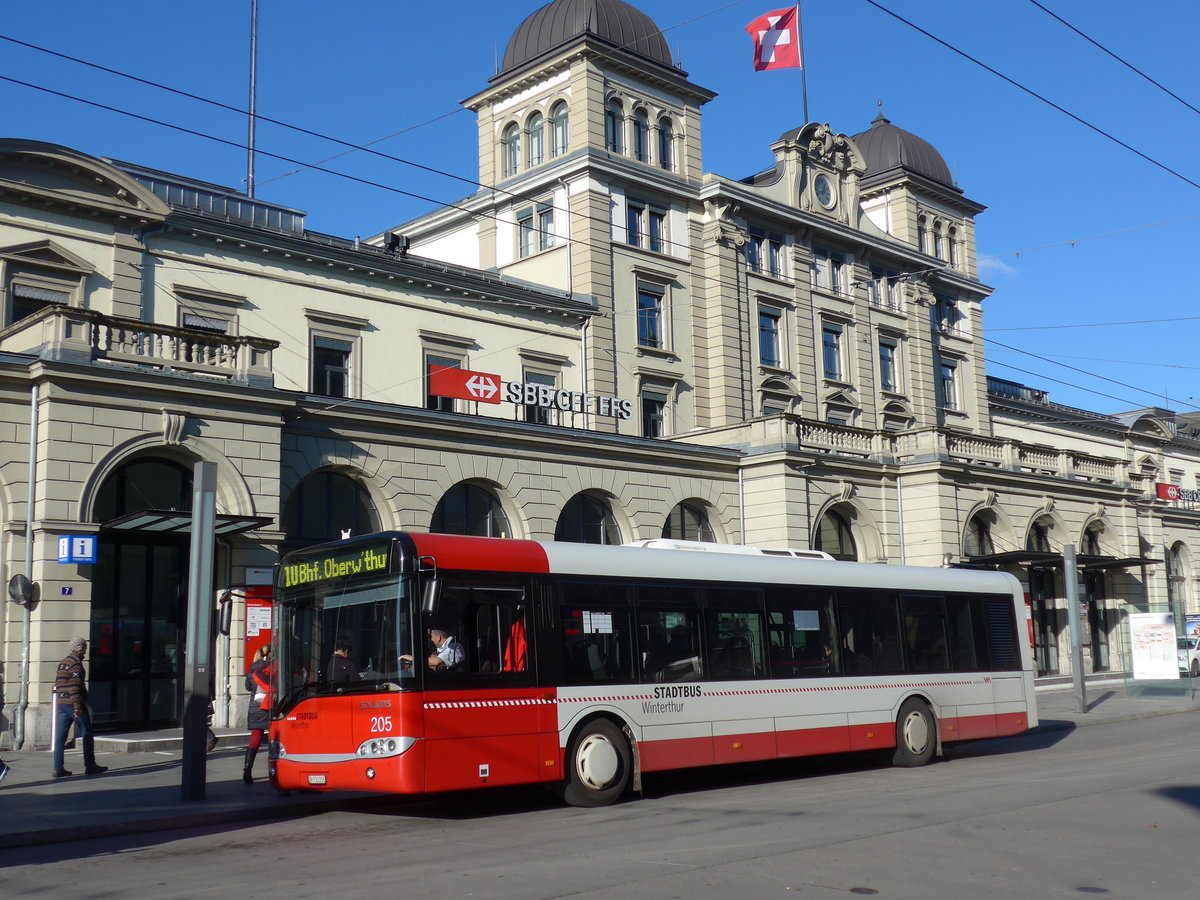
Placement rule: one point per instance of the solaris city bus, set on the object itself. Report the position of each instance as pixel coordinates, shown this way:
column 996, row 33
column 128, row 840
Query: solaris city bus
column 586, row 666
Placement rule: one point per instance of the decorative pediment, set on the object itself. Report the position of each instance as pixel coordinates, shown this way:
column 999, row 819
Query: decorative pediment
column 47, row 255
column 52, row 174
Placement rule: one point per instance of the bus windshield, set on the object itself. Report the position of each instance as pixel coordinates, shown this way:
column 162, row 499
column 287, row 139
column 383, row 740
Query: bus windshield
column 343, row 636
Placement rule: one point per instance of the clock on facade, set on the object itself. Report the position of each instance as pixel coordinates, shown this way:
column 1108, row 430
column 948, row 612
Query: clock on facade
column 823, row 189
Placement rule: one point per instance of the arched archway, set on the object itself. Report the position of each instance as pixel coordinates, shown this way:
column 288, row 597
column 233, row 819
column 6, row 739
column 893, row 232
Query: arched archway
column 139, row 599
column 470, row 508
column 323, row 506
column 688, row 521
column 588, row 518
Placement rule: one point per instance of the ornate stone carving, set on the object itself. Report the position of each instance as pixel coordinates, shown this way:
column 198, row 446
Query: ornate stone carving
column 173, row 425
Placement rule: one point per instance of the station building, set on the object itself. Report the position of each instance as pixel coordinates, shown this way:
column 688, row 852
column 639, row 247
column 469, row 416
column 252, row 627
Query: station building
column 604, row 343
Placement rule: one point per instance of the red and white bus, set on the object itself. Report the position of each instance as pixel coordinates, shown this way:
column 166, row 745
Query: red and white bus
column 587, row 666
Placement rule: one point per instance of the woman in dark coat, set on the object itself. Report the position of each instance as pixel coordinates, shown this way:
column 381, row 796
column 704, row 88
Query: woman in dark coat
column 258, row 710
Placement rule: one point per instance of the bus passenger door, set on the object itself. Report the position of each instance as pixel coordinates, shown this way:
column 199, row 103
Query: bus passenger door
column 481, row 707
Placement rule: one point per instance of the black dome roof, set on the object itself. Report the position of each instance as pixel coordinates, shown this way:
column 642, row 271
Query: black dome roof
column 885, row 147
column 611, row 20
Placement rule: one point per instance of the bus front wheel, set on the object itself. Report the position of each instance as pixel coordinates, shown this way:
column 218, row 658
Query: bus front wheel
column 597, row 765
column 916, row 734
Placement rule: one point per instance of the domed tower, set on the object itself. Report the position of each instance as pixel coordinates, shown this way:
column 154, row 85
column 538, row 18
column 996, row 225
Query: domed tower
column 589, row 134
column 909, row 192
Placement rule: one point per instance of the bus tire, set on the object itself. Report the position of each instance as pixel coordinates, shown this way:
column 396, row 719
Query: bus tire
column 598, row 765
column 916, row 734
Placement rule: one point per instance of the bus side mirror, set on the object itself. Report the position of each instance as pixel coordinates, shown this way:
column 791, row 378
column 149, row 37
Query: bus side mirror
column 431, row 594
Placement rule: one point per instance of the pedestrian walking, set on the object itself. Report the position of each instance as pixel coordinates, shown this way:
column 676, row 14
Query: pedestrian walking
column 258, row 711
column 71, row 687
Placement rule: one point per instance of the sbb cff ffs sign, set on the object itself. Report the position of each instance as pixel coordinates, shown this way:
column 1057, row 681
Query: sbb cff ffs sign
column 463, row 384
column 1175, row 493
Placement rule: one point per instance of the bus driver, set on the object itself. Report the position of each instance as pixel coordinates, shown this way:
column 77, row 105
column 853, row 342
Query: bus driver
column 448, row 653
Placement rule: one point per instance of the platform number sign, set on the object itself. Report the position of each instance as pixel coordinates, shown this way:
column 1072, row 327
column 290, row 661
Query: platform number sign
column 77, row 549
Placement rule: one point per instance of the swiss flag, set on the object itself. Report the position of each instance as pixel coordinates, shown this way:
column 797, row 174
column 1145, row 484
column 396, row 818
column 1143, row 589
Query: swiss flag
column 777, row 40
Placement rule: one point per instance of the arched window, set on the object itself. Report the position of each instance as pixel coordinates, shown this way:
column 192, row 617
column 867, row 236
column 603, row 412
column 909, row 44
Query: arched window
column 952, row 237
column 688, row 522
column 559, row 140
column 939, row 246
column 1177, row 580
column 511, row 149
column 323, row 506
column 537, row 139
column 666, row 144
column 835, row 537
column 587, row 519
column 978, row 540
column 470, row 509
column 641, row 136
column 146, row 483
column 614, row 121
column 922, row 229
column 1038, row 537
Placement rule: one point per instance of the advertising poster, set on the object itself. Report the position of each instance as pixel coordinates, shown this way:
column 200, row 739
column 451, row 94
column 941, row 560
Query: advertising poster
column 1153, row 638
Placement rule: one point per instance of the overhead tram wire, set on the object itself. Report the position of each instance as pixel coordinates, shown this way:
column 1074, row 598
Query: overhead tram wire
column 1115, row 56
column 1077, row 369
column 368, row 182
column 434, row 201
column 1066, row 112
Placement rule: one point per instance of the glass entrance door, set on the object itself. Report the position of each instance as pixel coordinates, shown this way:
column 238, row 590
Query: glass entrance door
column 1045, row 620
column 139, row 608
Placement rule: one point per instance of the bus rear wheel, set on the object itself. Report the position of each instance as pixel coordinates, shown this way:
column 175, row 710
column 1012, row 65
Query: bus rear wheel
column 916, row 734
column 597, row 765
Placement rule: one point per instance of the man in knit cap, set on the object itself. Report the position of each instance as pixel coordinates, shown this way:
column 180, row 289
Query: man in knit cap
column 71, row 688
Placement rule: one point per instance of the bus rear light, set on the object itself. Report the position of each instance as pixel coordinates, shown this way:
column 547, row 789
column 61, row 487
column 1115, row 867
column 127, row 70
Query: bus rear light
column 379, row 748
column 275, row 750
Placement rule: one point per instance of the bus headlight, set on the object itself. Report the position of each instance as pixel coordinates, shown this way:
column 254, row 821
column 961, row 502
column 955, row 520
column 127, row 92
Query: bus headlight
column 382, row 747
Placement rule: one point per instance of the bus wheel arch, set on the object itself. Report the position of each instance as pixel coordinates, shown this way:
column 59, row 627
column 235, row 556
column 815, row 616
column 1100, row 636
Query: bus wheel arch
column 916, row 733
column 600, row 762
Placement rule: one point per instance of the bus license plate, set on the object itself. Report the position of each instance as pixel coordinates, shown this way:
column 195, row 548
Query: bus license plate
column 316, row 779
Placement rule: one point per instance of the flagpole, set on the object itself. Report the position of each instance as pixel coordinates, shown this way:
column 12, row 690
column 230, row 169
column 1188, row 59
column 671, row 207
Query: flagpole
column 803, row 63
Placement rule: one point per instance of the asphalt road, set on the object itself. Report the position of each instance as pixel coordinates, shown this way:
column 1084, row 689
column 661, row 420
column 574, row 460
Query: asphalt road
column 1104, row 810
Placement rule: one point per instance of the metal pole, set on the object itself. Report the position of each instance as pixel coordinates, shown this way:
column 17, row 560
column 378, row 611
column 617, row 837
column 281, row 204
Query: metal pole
column 199, row 646
column 803, row 63
column 253, row 97
column 30, row 503
column 1071, row 578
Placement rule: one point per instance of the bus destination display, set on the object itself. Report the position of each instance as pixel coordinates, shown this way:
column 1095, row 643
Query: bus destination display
column 326, row 566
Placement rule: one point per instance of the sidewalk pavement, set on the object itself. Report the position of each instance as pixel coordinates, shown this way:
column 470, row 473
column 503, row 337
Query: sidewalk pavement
column 141, row 792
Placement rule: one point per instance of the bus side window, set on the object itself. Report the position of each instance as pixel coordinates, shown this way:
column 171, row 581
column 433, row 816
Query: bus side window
column 595, row 644
column 802, row 642
column 670, row 645
column 734, row 644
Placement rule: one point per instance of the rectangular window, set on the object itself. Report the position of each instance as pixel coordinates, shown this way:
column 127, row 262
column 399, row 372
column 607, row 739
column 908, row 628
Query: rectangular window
column 831, row 351
column 768, row 336
column 432, row 401
column 658, row 229
column 538, row 415
column 634, row 214
column 212, row 324
column 649, row 317
column 800, row 633
column 331, row 366
column 525, row 239
column 654, row 414
column 949, row 384
column 545, row 226
column 597, row 641
column 887, row 364
column 645, row 226
column 28, row 299
column 754, row 248
column 670, row 643
column 775, row 255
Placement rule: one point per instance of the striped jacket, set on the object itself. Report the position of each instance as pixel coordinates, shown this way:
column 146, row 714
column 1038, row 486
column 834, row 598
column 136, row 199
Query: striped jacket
column 69, row 683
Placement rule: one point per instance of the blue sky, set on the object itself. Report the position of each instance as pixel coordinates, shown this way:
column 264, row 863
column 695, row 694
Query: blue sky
column 1089, row 246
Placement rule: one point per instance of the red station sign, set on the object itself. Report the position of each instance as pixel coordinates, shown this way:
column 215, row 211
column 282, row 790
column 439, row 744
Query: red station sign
column 463, row 384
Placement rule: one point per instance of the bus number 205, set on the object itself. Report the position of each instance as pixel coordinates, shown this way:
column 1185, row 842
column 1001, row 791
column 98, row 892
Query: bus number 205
column 381, row 724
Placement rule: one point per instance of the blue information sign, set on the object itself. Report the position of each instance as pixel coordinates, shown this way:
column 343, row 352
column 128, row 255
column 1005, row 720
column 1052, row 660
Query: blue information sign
column 77, row 549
